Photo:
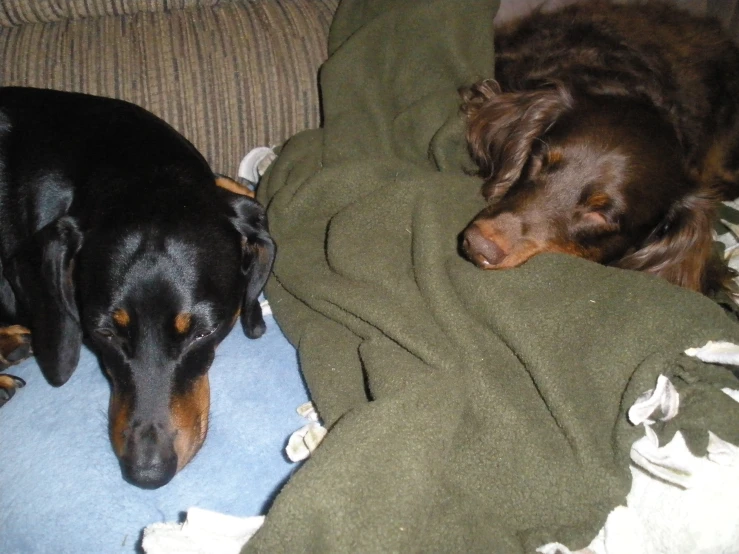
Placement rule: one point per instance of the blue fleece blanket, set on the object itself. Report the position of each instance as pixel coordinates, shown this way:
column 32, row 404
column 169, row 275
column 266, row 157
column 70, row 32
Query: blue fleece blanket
column 61, row 489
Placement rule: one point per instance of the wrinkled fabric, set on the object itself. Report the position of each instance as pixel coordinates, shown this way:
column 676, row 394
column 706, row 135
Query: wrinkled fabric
column 468, row 410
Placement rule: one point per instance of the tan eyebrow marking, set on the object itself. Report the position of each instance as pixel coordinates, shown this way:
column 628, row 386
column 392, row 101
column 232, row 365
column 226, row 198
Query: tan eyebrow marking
column 599, row 200
column 553, row 157
column 121, row 317
column 182, row 322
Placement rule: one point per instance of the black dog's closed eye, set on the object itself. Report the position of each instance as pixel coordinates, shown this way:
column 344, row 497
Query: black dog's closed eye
column 109, row 334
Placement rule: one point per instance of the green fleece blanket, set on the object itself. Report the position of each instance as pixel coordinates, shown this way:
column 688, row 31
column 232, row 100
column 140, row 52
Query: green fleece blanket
column 469, row 410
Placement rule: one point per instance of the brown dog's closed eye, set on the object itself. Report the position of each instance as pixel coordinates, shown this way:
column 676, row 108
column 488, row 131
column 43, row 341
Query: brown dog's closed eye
column 605, row 135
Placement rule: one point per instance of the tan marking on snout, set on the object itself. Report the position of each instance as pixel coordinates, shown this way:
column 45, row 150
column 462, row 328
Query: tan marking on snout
column 189, row 416
column 522, row 253
column 121, row 317
column 519, row 252
column 118, row 414
column 232, row 186
column 182, row 323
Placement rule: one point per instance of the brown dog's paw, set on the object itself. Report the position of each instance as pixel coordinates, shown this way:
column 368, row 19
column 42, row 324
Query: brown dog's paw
column 8, row 384
column 15, row 345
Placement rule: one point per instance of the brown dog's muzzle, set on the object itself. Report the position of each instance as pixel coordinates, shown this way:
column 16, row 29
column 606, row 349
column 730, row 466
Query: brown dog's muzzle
column 499, row 243
column 152, row 448
column 482, row 250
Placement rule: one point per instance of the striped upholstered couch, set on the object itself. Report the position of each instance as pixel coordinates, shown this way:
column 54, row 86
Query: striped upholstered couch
column 228, row 74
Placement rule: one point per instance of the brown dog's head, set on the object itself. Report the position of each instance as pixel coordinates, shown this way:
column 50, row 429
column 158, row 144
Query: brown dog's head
column 599, row 177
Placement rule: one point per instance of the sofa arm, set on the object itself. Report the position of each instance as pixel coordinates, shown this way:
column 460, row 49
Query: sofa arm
column 229, row 77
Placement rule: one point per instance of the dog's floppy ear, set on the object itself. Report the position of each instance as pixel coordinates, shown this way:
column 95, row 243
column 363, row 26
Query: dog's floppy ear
column 502, row 127
column 45, row 270
column 681, row 249
column 250, row 220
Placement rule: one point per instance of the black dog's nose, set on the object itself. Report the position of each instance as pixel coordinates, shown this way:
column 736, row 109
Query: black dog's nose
column 481, row 250
column 150, row 476
column 150, row 460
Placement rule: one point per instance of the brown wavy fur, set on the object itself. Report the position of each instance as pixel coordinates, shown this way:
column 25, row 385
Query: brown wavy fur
column 610, row 132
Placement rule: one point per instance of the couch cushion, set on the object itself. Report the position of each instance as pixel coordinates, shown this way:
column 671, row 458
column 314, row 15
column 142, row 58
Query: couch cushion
column 18, row 12
column 229, row 77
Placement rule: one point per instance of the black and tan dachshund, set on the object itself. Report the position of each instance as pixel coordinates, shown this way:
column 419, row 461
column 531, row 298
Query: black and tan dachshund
column 113, row 230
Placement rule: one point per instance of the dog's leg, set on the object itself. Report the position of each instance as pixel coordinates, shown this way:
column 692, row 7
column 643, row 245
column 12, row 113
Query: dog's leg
column 15, row 346
column 8, row 384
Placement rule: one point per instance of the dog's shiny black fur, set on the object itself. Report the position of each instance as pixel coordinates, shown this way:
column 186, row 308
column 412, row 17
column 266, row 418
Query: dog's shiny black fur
column 112, row 230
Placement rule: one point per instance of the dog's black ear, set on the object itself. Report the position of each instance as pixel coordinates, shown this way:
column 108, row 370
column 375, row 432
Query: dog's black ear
column 45, row 269
column 250, row 220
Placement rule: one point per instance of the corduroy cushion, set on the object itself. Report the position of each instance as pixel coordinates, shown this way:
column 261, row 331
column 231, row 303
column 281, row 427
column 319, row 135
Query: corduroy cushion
column 18, row 12
column 229, row 77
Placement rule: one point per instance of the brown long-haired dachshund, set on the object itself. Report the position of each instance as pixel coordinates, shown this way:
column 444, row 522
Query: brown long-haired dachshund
column 611, row 132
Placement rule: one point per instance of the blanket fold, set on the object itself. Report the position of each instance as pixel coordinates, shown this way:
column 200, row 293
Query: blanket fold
column 468, row 410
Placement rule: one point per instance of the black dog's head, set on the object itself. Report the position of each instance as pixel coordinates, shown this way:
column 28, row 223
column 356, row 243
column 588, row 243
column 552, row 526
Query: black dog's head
column 155, row 295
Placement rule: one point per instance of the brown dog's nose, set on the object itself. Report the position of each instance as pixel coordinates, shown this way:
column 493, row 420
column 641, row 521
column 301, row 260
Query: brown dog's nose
column 480, row 249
